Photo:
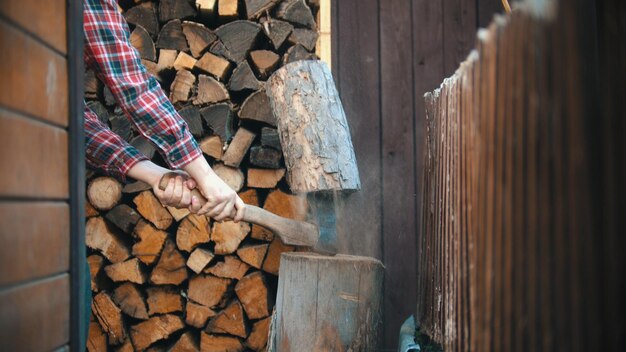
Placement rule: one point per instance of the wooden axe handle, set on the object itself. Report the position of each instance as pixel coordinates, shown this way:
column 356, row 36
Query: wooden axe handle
column 291, row 232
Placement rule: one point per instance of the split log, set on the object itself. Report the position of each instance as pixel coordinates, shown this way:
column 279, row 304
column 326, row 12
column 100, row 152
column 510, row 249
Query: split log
column 130, row 300
column 305, row 37
column 127, row 346
column 167, row 57
column 171, row 37
column 243, row 78
column 250, row 197
column 136, row 187
column 268, row 158
column 110, row 318
column 297, row 53
column 269, row 138
column 140, row 39
column 286, row 205
column 227, row 9
column 229, row 321
column 109, row 99
column 152, row 210
column 322, row 292
column 192, row 117
column 210, row 91
column 220, row 343
column 97, row 339
column 261, row 233
column 304, row 98
column 144, row 146
column 198, row 37
column 265, row 178
column 257, row 108
column 184, row 61
column 155, row 329
column 254, row 295
column 186, row 343
column 257, row 339
column 98, row 108
column 121, row 126
column 256, row 8
column 253, row 254
column 162, row 300
column 239, row 37
column 90, row 211
column 206, row 7
column 104, row 192
column 152, row 68
column 228, row 235
column 99, row 237
column 214, row 65
column 193, row 231
column 144, row 15
column 91, row 88
column 232, row 176
column 177, row 213
column 210, row 291
column 171, row 268
column 271, row 264
column 219, row 118
column 96, row 264
column 181, row 86
column 129, row 270
column 212, row 146
column 230, row 268
column 219, row 49
column 150, row 242
column 238, row 147
column 296, row 12
column 277, row 31
column 265, row 61
column 197, row 315
column 199, row 259
column 124, row 217
column 175, row 9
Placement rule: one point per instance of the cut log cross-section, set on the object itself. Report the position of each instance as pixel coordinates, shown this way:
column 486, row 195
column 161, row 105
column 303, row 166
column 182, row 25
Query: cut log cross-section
column 264, row 178
column 253, row 255
column 104, row 193
column 99, row 237
column 140, row 39
column 110, row 317
column 256, row 8
column 164, row 299
column 265, row 157
column 198, row 37
column 210, row 91
column 219, row 118
column 171, row 268
column 239, row 37
column 243, row 78
column 129, row 270
column 199, row 259
column 129, row 298
column 155, row 329
column 181, row 86
column 175, row 9
column 213, row 147
column 265, row 61
column 144, row 15
column 197, row 315
column 151, row 209
column 229, row 321
column 184, row 61
column 210, row 291
column 193, row 231
column 230, row 268
column 172, row 37
column 228, row 235
column 214, row 65
column 253, row 294
column 233, row 176
column 149, row 243
column 257, row 108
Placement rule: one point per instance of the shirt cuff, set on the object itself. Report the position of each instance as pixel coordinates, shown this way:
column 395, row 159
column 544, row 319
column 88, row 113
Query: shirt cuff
column 183, row 152
column 121, row 161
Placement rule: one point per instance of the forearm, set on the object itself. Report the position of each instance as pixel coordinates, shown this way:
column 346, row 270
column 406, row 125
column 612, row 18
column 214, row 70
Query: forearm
column 147, row 171
column 198, row 169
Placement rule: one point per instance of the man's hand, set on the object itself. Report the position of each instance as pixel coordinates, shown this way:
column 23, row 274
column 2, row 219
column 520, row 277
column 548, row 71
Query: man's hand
column 222, row 201
column 177, row 193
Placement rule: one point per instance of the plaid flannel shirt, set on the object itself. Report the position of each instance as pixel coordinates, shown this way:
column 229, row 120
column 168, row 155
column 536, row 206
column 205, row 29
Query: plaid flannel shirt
column 116, row 62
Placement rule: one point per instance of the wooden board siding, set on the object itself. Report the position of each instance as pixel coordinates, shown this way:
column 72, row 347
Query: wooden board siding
column 35, row 182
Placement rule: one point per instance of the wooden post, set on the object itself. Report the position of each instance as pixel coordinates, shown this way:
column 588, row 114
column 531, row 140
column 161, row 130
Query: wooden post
column 327, row 303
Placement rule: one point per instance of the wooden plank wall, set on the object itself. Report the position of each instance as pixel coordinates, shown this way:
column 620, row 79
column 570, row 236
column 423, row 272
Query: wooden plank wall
column 34, row 185
column 386, row 55
column 524, row 178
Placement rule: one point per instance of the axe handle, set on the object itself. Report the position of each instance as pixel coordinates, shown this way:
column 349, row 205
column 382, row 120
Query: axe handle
column 297, row 233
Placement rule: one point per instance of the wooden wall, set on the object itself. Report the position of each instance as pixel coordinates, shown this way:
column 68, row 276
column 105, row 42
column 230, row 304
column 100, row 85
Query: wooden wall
column 35, row 182
column 521, row 247
column 386, row 54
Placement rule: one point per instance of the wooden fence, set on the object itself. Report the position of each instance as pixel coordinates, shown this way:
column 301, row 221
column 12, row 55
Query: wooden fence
column 521, row 246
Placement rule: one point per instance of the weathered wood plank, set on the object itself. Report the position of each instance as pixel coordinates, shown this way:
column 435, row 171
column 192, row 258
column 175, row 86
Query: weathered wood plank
column 44, row 19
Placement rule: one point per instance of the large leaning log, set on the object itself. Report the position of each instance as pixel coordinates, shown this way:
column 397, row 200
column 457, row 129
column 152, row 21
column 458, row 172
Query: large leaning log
column 312, row 126
column 330, row 303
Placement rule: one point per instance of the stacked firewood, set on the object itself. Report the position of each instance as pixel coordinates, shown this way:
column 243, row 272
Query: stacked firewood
column 164, row 279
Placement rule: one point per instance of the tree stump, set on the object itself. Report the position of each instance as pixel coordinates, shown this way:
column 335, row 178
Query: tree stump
column 312, row 126
column 328, row 303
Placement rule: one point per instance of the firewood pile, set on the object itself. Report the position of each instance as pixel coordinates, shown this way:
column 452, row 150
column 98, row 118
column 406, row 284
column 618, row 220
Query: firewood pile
column 164, row 279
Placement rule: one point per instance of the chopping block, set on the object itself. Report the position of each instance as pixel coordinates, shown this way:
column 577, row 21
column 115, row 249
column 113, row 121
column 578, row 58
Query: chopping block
column 327, row 303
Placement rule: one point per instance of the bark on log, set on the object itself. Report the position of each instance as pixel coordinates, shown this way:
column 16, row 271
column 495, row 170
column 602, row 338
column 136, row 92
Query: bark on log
column 165, row 299
column 228, row 235
column 230, row 268
column 124, row 217
column 333, row 303
column 171, row 37
column 193, row 231
column 110, row 318
column 238, row 147
column 253, row 254
column 155, row 329
column 239, row 37
column 220, row 343
column 104, row 192
column 229, row 321
column 264, row 178
column 171, row 268
column 233, row 177
column 129, row 270
column 151, row 209
column 130, row 300
column 257, row 339
column 210, row 91
column 199, row 259
column 213, row 147
column 210, row 291
column 199, row 38
column 254, row 296
column 257, row 108
column 141, row 40
column 304, row 99
column 197, row 315
column 214, row 65
column 149, row 242
column 99, row 237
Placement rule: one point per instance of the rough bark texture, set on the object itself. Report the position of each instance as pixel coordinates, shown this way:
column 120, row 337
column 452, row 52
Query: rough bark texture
column 312, row 126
